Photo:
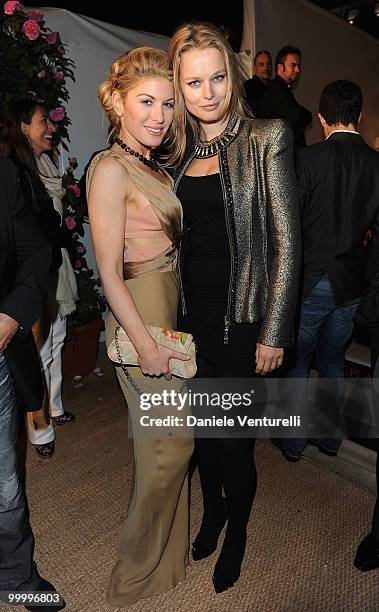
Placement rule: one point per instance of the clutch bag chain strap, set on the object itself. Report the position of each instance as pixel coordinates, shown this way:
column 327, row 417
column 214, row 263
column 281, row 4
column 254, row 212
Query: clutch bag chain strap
column 130, row 378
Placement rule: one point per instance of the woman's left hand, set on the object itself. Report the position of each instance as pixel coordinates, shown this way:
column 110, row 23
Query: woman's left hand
column 267, row 358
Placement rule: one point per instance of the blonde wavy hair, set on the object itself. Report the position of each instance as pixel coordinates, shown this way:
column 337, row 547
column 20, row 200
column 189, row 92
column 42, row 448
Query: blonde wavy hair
column 202, row 35
column 126, row 72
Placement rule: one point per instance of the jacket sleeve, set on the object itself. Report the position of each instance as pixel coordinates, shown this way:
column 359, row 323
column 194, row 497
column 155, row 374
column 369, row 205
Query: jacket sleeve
column 298, row 116
column 302, row 182
column 278, row 103
column 23, row 303
column 304, row 117
column 368, row 309
column 283, row 233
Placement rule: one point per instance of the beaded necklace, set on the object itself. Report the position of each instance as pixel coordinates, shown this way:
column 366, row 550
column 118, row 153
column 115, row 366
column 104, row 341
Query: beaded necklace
column 150, row 162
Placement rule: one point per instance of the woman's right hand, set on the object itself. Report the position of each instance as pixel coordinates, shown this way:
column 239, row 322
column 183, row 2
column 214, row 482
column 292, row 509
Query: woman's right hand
column 156, row 361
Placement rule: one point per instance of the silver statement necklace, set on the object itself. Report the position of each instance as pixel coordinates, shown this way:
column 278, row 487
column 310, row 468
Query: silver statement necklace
column 208, row 148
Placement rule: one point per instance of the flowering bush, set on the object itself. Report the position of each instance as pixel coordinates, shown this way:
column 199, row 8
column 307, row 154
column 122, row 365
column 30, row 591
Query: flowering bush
column 33, row 64
column 91, row 303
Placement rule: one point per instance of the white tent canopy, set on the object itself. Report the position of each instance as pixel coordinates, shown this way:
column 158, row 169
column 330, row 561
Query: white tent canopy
column 331, row 49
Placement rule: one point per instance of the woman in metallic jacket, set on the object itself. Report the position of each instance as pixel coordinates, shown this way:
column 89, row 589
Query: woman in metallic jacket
column 240, row 260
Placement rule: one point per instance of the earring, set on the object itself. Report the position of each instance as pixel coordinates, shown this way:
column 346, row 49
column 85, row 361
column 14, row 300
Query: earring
column 25, row 131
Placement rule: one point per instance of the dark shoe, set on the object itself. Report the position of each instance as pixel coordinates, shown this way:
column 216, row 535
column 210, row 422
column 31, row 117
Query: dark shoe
column 45, row 451
column 228, row 567
column 62, row 419
column 328, row 451
column 367, row 555
column 206, row 540
column 279, row 444
column 323, row 448
column 45, row 585
column 221, row 584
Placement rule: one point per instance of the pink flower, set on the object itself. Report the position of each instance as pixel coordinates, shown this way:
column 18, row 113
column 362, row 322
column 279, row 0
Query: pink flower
column 12, row 6
column 35, row 14
column 75, row 189
column 70, row 222
column 77, row 264
column 52, row 38
column 41, row 74
column 73, row 162
column 57, row 114
column 31, row 29
column 58, row 75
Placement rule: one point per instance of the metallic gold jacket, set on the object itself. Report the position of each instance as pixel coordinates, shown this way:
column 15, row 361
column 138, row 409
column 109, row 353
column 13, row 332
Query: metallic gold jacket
column 262, row 218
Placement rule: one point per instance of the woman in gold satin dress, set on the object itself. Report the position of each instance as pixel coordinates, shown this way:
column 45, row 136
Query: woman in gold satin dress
column 136, row 227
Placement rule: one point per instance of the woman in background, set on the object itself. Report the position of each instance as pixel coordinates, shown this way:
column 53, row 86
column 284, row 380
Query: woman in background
column 236, row 181
column 27, row 137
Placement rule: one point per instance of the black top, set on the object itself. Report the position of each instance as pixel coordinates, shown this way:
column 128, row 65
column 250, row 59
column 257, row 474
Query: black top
column 278, row 102
column 207, row 260
column 338, row 183
column 206, row 274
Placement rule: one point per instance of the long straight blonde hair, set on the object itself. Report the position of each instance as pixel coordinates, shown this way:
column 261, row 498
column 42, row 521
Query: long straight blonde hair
column 202, row 35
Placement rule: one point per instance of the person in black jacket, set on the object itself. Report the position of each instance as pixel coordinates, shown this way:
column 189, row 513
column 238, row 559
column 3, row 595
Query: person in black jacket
column 255, row 87
column 278, row 101
column 338, row 183
column 24, row 279
column 26, row 138
column 241, row 253
column 367, row 555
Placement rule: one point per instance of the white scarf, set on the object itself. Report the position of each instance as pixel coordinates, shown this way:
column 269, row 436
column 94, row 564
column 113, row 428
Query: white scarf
column 67, row 290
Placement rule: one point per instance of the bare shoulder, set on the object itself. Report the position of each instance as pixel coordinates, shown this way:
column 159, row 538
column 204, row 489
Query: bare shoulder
column 107, row 176
column 107, row 167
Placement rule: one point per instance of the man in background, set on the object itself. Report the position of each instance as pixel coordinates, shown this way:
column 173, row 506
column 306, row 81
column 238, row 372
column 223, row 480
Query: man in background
column 338, row 181
column 278, row 100
column 255, row 87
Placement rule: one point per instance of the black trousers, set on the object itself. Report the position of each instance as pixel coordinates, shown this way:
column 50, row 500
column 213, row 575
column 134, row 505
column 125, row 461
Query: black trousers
column 228, row 463
column 375, row 515
column 375, row 369
column 18, row 572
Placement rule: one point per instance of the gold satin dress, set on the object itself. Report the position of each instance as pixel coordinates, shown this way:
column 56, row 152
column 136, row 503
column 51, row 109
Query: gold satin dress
column 155, row 537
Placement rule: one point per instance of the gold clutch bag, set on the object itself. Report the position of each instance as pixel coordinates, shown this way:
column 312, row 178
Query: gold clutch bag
column 122, row 351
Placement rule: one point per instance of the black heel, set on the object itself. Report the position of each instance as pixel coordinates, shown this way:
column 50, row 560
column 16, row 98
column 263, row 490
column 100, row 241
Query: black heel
column 206, row 540
column 221, row 583
column 228, row 567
